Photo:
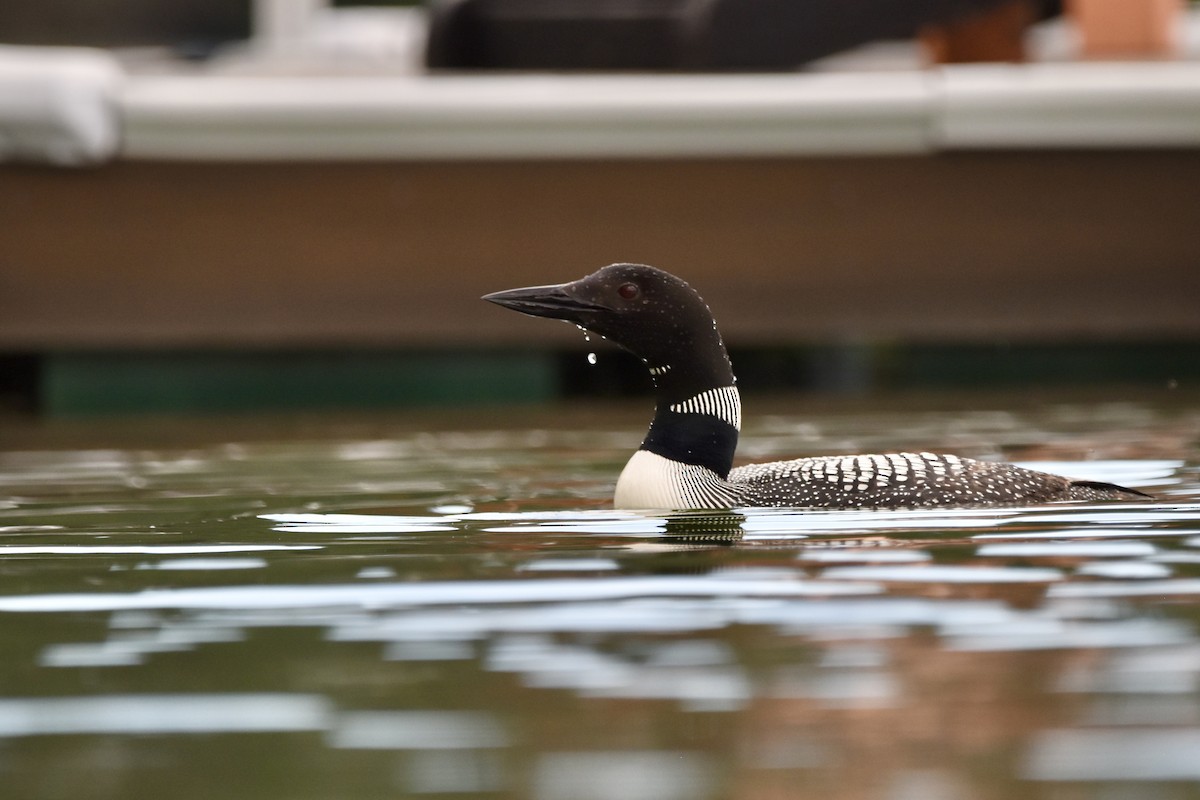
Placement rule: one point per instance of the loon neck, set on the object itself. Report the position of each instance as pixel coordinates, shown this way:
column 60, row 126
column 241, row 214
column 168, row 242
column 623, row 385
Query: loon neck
column 684, row 365
column 698, row 412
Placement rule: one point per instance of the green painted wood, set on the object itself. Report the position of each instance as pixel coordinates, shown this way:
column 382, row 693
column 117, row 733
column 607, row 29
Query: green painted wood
column 104, row 383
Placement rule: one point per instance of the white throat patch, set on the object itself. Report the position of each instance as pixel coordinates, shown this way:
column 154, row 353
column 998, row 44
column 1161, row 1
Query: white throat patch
column 650, row 481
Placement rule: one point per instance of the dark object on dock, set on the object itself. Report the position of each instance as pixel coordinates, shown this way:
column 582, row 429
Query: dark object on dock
column 669, row 35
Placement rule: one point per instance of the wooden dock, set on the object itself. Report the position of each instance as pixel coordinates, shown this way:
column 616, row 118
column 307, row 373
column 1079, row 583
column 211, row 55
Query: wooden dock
column 963, row 246
column 959, row 205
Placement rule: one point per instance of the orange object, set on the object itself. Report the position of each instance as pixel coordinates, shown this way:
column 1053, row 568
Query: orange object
column 995, row 34
column 1127, row 28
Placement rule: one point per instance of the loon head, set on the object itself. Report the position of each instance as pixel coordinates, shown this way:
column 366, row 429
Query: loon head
column 651, row 313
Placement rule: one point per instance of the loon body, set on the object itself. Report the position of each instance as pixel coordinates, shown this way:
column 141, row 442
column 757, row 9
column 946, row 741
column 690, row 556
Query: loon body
column 686, row 459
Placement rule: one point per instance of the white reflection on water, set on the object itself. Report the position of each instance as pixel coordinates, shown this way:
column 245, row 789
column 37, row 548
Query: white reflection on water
column 375, row 574
column 544, row 663
column 1154, row 670
column 1181, row 586
column 86, row 654
column 205, row 564
column 876, row 555
column 782, row 524
column 946, row 573
column 1060, row 549
column 432, row 650
column 1119, row 754
column 146, row 549
column 861, row 688
column 1096, row 532
column 463, row 772
column 360, row 523
column 758, row 524
column 1126, row 472
column 570, row 565
column 925, row 784
column 431, row 593
column 666, row 615
column 896, row 613
column 417, row 730
column 163, row 713
column 1033, row 633
column 567, row 522
column 1114, row 514
column 649, row 615
column 1124, row 570
column 130, row 647
column 1176, row 558
column 624, row 775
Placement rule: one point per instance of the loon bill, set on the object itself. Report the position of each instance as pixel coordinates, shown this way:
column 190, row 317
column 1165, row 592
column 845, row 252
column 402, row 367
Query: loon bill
column 686, row 459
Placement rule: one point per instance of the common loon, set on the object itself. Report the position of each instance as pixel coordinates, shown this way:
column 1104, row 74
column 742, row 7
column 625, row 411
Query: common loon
column 686, row 459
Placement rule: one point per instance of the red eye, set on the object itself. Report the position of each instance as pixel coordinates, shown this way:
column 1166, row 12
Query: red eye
column 628, row 290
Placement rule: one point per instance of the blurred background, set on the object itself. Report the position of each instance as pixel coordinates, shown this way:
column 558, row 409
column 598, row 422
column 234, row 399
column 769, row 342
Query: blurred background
column 224, row 205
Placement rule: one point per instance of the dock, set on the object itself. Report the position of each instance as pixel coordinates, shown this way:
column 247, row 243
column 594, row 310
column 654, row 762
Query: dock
column 158, row 212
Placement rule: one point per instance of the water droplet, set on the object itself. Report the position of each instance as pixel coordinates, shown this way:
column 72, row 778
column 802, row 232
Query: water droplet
column 591, row 358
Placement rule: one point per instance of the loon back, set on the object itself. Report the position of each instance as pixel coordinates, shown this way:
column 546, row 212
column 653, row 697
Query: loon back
column 686, row 459
column 910, row 480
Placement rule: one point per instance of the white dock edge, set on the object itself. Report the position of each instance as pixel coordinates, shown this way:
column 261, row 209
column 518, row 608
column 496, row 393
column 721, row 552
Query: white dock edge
column 1098, row 105
column 1049, row 106
column 73, row 106
column 531, row 116
column 58, row 105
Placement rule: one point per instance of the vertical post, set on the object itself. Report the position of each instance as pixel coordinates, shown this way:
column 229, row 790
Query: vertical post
column 280, row 26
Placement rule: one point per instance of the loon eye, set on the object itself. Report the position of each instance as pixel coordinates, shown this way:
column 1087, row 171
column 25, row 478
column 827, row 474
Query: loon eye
column 628, row 290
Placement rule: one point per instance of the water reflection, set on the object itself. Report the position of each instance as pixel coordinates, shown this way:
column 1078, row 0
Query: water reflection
column 417, row 730
column 620, row 775
column 162, row 714
column 366, row 616
column 1125, row 755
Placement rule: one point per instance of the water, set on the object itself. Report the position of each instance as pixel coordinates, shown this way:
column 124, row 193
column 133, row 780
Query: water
column 445, row 606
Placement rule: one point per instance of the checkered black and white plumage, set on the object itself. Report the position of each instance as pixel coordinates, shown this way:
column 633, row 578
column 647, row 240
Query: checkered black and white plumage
column 904, row 480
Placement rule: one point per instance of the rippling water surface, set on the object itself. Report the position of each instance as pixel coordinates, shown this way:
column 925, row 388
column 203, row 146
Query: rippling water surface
column 447, row 607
